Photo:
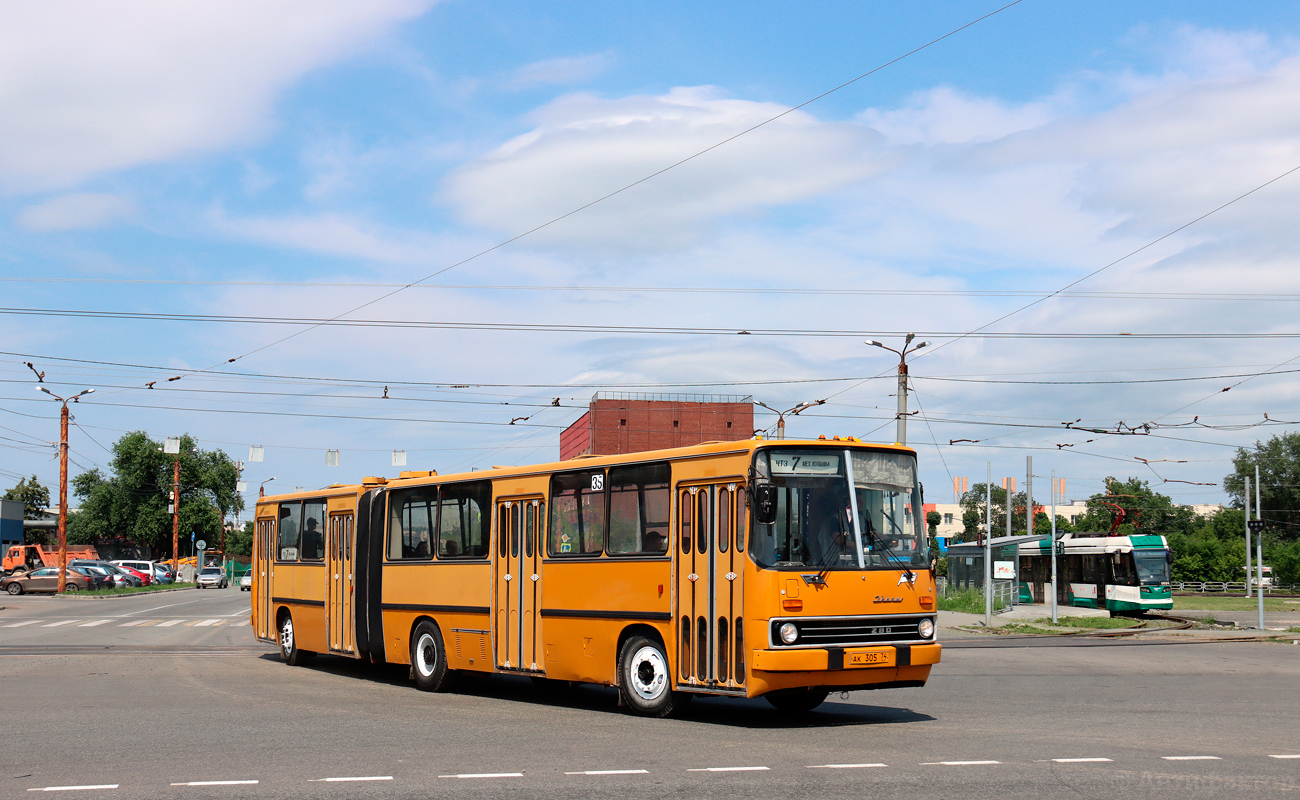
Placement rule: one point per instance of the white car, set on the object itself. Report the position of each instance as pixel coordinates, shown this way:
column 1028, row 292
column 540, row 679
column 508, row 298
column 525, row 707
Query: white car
column 246, row 582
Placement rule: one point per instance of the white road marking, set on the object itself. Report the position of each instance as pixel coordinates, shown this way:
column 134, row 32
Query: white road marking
column 170, row 623
column 214, row 783
column 1191, row 758
column 845, row 766
column 156, row 608
column 729, row 769
column 240, row 623
column 20, row 624
column 349, row 780
column 956, row 763
column 133, row 623
column 1286, row 756
column 485, row 775
column 93, row 624
column 205, row 623
column 1078, row 760
column 73, row 788
column 611, row 772
column 61, row 622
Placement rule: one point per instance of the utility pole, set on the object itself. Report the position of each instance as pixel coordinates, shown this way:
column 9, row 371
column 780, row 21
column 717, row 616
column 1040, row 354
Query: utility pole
column 1246, row 508
column 173, row 447
column 1054, row 591
column 1029, row 495
column 988, row 546
column 1259, row 553
column 63, row 482
column 900, row 435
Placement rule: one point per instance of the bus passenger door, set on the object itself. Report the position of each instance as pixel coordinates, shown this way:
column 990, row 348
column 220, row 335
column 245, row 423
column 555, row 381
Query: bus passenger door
column 339, row 619
column 264, row 552
column 695, row 577
column 517, row 623
column 728, row 586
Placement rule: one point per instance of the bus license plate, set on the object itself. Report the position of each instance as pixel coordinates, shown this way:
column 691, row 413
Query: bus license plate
column 870, row 658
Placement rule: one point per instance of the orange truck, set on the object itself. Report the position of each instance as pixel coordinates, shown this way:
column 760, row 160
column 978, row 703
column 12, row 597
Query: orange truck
column 28, row 557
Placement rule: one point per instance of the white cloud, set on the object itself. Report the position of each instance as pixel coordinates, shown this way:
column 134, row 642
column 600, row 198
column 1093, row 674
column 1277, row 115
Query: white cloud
column 561, row 71
column 76, row 211
column 334, row 235
column 88, row 87
column 584, row 147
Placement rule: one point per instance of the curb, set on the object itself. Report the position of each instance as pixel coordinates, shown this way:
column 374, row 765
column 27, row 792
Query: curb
column 151, row 592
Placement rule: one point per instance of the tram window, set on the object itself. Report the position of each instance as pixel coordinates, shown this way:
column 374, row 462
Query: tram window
column 412, row 516
column 639, row 500
column 1121, row 567
column 463, row 526
column 313, row 530
column 577, row 514
column 289, row 518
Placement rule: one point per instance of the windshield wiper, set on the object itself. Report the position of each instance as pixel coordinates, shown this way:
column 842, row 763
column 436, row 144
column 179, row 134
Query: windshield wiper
column 889, row 553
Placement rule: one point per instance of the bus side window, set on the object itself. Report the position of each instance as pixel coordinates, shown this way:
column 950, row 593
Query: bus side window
column 413, row 514
column 288, row 525
column 577, row 514
column 639, row 500
column 685, row 512
column 465, row 520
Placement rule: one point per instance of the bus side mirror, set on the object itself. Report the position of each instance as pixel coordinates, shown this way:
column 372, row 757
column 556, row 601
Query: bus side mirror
column 765, row 503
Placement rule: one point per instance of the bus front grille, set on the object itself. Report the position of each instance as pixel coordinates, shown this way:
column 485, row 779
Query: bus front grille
column 849, row 631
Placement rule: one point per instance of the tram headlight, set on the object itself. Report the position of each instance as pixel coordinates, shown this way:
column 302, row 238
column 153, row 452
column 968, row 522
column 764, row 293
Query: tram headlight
column 926, row 628
column 789, row 633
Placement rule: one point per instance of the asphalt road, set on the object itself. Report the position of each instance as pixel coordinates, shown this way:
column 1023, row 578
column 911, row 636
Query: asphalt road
column 159, row 708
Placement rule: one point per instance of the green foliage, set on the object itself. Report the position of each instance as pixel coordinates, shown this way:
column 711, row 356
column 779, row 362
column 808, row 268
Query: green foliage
column 240, row 542
column 967, row 601
column 34, row 497
column 1278, row 460
column 1145, row 510
column 132, row 503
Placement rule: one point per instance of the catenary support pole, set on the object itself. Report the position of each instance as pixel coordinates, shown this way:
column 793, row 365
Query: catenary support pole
column 1259, row 554
column 176, row 518
column 1246, row 508
column 988, row 547
column 63, row 498
column 1055, row 592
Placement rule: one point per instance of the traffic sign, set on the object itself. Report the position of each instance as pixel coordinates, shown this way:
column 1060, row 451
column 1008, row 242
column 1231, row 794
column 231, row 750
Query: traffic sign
column 1255, row 525
column 201, row 545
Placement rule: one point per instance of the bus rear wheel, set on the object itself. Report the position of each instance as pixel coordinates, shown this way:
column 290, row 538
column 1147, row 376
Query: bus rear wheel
column 645, row 681
column 797, row 701
column 429, row 659
column 289, row 652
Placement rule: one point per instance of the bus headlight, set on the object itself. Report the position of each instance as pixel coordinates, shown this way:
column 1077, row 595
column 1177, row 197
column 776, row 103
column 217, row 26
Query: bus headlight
column 925, row 628
column 789, row 632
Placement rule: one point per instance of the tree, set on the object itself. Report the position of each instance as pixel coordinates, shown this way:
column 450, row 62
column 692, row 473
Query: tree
column 239, row 541
column 34, row 497
column 973, row 513
column 1278, row 460
column 132, row 503
column 1146, row 510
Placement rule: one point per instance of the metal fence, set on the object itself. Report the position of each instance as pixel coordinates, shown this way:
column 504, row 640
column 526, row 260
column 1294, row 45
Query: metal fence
column 1231, row 587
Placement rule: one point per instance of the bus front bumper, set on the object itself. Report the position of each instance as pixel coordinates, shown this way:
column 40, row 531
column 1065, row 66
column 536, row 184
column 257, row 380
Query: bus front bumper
column 846, row 658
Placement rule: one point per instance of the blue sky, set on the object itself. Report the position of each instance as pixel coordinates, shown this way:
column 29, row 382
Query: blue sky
column 297, row 160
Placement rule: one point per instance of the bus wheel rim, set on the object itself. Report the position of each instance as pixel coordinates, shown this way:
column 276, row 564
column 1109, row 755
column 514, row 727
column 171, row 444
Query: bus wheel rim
column 649, row 676
column 426, row 654
column 286, row 635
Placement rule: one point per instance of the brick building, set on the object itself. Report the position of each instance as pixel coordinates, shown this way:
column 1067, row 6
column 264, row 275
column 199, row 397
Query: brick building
column 632, row 422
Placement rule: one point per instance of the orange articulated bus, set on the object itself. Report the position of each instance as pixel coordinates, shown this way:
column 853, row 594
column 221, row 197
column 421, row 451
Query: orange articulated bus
column 776, row 568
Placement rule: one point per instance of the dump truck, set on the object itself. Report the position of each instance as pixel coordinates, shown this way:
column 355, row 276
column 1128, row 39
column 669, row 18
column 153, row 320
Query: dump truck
column 28, row 557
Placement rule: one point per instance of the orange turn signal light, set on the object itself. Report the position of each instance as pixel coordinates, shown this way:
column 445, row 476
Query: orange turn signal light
column 792, row 605
column 927, row 602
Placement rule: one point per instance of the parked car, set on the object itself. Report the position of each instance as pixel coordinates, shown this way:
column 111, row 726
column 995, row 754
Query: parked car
column 246, row 582
column 211, row 576
column 138, row 565
column 46, row 579
column 120, row 577
column 145, row 578
column 162, row 575
column 102, row 577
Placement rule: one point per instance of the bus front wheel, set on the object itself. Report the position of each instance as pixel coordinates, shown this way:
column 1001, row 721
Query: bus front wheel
column 429, row 659
column 289, row 652
column 645, row 681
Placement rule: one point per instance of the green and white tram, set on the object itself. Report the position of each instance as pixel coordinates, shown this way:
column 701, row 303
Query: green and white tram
column 1125, row 574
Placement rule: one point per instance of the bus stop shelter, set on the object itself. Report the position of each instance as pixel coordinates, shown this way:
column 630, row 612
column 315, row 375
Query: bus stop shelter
column 966, row 563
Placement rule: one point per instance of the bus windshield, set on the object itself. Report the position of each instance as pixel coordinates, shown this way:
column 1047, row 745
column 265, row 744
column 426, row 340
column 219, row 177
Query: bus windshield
column 840, row 510
column 1152, row 566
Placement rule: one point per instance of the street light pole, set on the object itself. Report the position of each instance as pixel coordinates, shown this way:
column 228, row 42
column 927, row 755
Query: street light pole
column 780, row 415
column 63, row 482
column 900, row 435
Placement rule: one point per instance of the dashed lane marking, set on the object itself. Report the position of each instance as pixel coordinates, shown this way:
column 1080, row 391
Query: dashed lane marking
column 957, row 763
column 73, row 788
column 93, row 624
column 214, row 783
column 352, row 780
column 845, row 766
column 611, row 772
column 1286, row 756
column 61, row 622
column 205, row 623
column 729, row 769
column 485, row 775
column 1079, row 760
column 170, row 623
column 20, row 624
column 133, row 623
column 1191, row 758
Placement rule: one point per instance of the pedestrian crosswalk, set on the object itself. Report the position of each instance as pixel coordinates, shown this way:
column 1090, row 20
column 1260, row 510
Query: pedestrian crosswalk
column 131, row 623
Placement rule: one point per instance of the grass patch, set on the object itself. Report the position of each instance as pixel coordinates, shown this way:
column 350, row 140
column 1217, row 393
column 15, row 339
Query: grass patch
column 967, row 601
column 138, row 589
column 1097, row 622
column 1023, row 628
column 1231, row 604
